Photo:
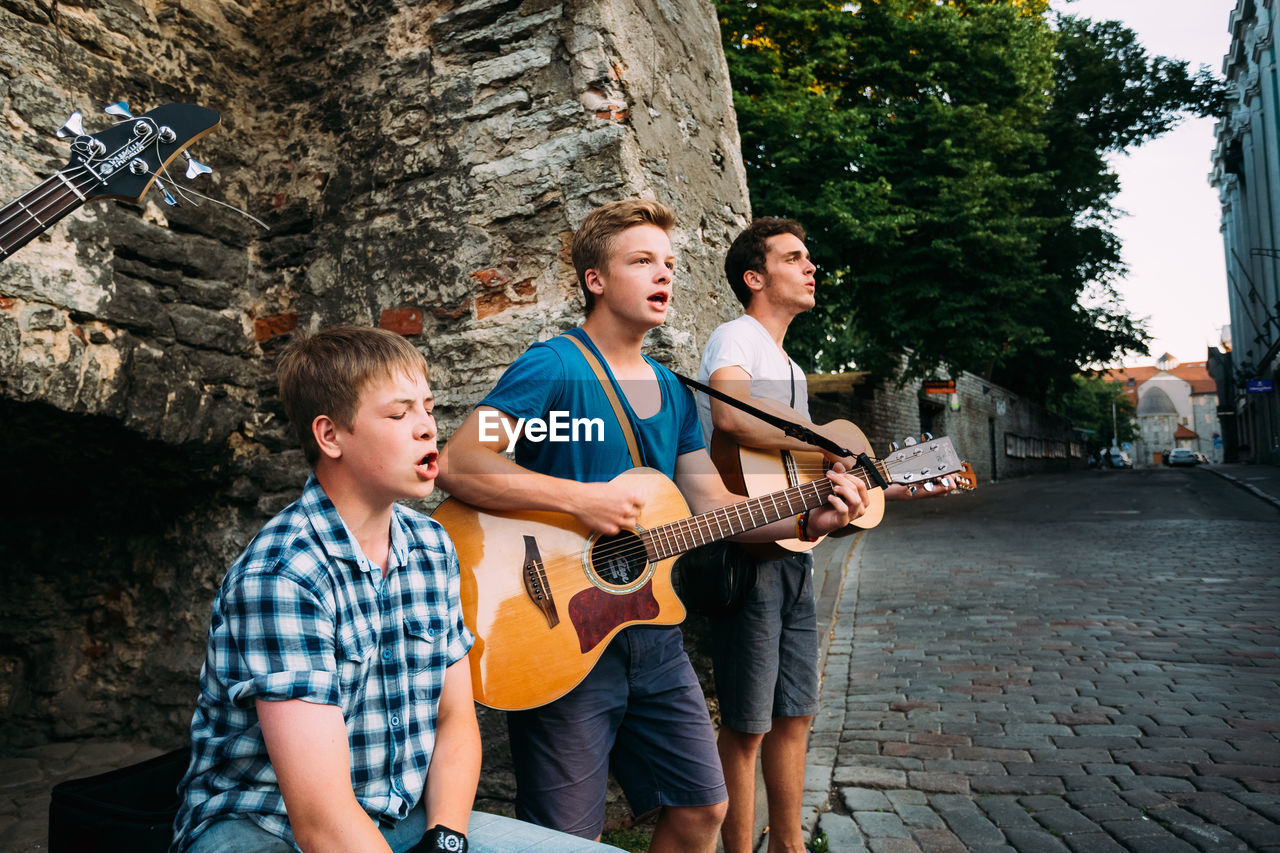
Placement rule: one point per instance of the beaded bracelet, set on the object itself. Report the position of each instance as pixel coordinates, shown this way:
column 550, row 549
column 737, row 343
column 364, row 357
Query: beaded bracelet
column 802, row 527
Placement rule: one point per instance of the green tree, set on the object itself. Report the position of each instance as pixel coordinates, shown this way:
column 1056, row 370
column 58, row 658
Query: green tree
column 1094, row 404
column 1109, row 96
column 928, row 148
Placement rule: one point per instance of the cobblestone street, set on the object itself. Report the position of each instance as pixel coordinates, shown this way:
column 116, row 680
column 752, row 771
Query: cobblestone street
column 1082, row 662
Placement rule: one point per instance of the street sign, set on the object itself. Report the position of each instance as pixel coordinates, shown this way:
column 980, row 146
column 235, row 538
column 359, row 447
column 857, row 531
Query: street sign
column 1259, row 386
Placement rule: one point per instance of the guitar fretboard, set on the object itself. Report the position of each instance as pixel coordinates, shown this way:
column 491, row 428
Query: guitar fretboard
column 668, row 540
column 24, row 218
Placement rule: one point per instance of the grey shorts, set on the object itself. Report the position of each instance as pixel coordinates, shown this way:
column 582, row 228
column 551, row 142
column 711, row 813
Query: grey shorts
column 766, row 656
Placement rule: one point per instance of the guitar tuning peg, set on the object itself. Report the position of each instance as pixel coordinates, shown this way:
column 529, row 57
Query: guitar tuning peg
column 73, row 127
column 893, row 447
column 168, row 197
column 119, row 109
column 911, row 490
column 195, row 168
column 946, row 482
column 909, row 441
column 926, row 436
column 928, row 486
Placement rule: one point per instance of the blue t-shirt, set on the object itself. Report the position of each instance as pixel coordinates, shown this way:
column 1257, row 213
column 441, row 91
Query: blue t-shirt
column 552, row 381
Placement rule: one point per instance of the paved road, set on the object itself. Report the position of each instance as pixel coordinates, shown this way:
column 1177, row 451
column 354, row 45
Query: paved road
column 1079, row 662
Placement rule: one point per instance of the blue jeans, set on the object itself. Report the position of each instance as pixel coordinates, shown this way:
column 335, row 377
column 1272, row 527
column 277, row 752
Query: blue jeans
column 487, row 833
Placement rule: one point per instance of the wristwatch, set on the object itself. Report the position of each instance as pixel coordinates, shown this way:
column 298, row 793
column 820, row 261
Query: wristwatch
column 442, row 838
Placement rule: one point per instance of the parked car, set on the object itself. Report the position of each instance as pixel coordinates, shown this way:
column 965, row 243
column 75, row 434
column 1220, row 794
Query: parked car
column 1204, row 460
column 1116, row 459
column 1183, row 456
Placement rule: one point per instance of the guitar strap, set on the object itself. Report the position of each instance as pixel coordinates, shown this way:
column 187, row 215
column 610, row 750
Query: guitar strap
column 620, row 413
column 794, row 430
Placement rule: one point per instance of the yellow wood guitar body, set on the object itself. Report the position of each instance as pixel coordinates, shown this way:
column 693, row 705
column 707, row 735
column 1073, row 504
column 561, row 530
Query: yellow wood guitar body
column 752, row 472
column 544, row 595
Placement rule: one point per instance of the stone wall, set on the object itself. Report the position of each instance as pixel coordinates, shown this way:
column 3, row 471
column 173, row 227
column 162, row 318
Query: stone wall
column 420, row 166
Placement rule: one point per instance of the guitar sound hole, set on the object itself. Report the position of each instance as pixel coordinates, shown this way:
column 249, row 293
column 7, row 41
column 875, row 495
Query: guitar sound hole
column 620, row 559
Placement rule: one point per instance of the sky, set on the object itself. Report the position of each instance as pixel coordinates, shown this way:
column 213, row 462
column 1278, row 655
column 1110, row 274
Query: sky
column 1171, row 243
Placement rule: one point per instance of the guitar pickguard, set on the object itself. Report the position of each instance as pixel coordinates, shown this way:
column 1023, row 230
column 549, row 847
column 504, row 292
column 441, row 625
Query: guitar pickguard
column 595, row 612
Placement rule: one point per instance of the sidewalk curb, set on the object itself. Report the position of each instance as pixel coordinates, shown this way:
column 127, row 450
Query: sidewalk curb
column 820, row 757
column 1274, row 501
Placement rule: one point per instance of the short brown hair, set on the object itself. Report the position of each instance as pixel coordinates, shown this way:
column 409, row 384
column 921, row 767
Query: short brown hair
column 593, row 242
column 749, row 249
column 325, row 373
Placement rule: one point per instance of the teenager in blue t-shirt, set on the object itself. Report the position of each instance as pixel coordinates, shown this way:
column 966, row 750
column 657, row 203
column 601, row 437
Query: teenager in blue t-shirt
column 640, row 709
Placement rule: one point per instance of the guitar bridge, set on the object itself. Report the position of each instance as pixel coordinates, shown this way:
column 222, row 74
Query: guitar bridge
column 535, row 582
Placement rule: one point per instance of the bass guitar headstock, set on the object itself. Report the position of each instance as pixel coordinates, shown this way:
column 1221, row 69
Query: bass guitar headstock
column 121, row 162
column 124, row 160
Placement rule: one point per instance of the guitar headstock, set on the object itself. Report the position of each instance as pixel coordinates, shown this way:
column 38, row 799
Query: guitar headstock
column 922, row 462
column 965, row 480
column 124, row 160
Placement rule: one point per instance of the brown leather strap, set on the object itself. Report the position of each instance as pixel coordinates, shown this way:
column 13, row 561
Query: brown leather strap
column 623, row 421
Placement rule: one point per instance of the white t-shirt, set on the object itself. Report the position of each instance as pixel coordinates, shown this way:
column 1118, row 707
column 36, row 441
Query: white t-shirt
column 747, row 344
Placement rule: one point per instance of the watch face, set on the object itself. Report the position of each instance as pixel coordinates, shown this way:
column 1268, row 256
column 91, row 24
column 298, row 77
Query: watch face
column 450, row 841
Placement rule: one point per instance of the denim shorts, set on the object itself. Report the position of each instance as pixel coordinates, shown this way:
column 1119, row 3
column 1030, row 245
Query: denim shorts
column 766, row 656
column 640, row 712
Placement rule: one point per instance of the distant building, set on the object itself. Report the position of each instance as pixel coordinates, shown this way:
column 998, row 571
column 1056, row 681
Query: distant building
column 1246, row 173
column 1176, row 405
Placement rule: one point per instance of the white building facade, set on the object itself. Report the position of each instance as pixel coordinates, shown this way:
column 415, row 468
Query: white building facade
column 1246, row 173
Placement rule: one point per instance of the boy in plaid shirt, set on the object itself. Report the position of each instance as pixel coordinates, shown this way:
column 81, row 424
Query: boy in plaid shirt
column 335, row 708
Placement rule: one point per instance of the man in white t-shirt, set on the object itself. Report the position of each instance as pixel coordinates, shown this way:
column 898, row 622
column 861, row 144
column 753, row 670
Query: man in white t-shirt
column 766, row 656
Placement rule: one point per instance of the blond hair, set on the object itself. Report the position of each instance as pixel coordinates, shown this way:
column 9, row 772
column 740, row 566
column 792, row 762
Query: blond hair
column 325, row 373
column 594, row 240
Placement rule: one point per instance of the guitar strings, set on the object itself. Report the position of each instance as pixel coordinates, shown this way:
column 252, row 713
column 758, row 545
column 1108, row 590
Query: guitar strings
column 697, row 526
column 187, row 192
column 31, row 212
column 30, row 208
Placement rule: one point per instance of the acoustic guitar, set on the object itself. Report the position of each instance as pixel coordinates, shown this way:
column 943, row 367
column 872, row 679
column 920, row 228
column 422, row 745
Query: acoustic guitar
column 752, row 471
column 543, row 595
column 122, row 162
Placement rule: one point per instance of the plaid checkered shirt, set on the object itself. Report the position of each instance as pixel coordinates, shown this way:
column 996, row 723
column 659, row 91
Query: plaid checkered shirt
column 302, row 614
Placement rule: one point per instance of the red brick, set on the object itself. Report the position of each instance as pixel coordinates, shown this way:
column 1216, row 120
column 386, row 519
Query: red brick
column 491, row 277
column 492, row 303
column 274, row 325
column 403, row 321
